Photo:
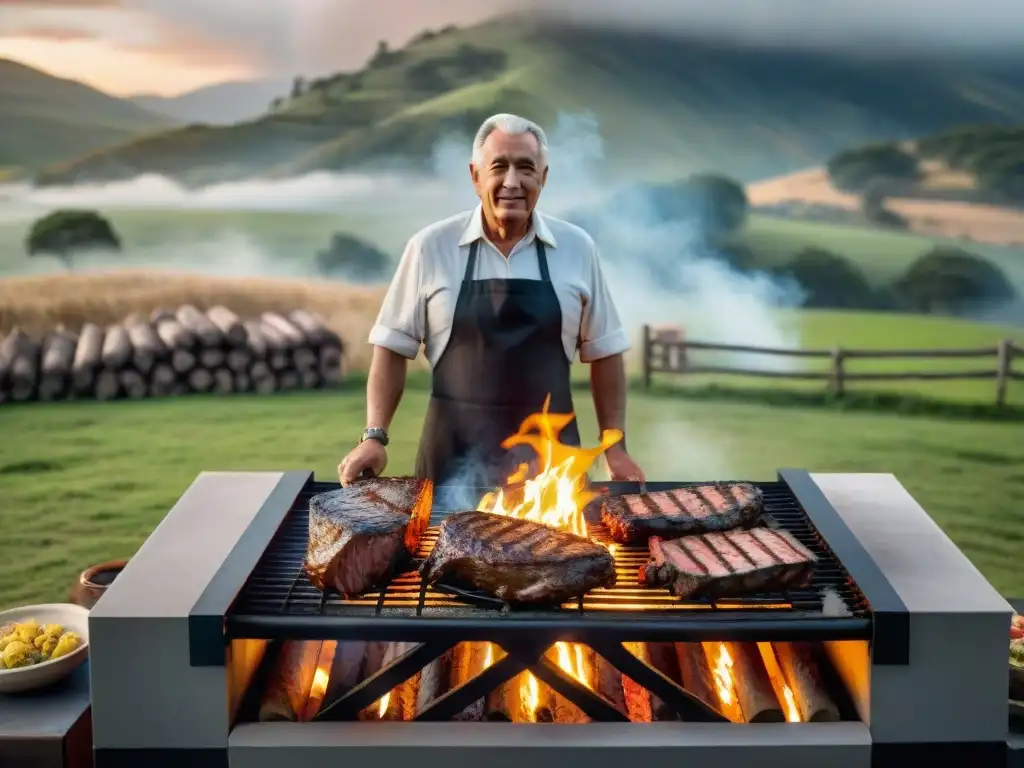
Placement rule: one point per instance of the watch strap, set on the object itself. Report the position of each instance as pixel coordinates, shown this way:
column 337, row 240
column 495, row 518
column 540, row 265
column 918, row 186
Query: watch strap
column 375, row 433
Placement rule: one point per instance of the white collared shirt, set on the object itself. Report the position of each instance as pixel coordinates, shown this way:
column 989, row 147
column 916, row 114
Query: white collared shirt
column 420, row 303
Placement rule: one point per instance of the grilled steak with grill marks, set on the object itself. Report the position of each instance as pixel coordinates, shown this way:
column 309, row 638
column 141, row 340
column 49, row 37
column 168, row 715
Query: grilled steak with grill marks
column 358, row 534
column 517, row 560
column 729, row 564
column 635, row 517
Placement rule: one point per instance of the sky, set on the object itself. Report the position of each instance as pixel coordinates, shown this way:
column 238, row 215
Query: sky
column 167, row 47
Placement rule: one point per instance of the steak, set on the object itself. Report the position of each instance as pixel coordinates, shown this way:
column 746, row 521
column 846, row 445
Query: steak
column 728, row 564
column 518, row 561
column 635, row 517
column 358, row 534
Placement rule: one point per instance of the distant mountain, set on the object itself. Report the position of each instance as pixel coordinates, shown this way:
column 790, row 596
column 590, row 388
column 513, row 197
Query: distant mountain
column 46, row 119
column 221, row 104
column 664, row 106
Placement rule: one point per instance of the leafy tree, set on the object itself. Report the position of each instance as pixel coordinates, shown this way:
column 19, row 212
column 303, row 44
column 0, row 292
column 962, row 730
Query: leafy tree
column 67, row 232
column 873, row 205
column 350, row 258
column 854, row 169
column 830, row 281
column 949, row 280
column 298, row 87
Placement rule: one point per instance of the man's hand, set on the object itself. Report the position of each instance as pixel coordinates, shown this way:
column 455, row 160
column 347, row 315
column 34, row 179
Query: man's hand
column 621, row 467
column 369, row 456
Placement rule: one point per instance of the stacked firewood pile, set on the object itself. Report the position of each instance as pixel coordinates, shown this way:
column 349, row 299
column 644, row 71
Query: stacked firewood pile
column 172, row 353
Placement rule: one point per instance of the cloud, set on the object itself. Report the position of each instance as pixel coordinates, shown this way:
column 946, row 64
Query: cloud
column 55, row 34
column 60, row 3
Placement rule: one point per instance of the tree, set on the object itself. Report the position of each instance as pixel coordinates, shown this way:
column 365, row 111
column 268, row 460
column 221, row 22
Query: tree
column 298, row 87
column 853, row 169
column 950, row 280
column 67, row 232
column 350, row 258
column 715, row 205
column 873, row 205
column 830, row 281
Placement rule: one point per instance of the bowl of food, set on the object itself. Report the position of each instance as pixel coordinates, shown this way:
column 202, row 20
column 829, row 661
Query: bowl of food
column 41, row 645
column 1017, row 658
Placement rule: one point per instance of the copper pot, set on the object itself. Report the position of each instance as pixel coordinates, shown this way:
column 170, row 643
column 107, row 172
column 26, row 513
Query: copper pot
column 93, row 582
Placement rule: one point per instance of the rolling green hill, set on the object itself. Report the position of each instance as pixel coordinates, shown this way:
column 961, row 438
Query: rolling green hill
column 750, row 113
column 45, row 119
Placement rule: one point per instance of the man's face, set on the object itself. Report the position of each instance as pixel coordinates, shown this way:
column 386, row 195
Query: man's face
column 510, row 176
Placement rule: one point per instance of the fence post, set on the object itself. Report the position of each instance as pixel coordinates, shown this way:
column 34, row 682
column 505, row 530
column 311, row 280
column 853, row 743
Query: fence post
column 837, row 372
column 1004, row 355
column 646, row 347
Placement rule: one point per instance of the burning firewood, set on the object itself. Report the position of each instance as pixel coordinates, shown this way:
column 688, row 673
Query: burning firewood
column 696, row 673
column 638, row 698
column 507, row 703
column 662, row 656
column 577, row 661
column 608, row 681
column 469, row 660
column 802, row 675
column 372, row 664
column 753, row 686
column 291, row 679
column 433, row 681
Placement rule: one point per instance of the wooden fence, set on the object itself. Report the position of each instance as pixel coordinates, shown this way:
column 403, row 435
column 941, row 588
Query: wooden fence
column 666, row 348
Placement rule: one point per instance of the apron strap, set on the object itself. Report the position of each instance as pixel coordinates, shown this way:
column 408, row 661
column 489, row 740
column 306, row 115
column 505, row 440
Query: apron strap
column 542, row 260
column 471, row 262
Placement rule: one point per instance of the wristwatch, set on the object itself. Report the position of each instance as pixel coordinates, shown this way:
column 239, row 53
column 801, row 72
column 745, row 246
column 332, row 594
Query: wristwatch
column 375, row 433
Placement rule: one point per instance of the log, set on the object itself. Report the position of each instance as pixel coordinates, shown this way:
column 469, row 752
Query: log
column 161, row 314
column 305, row 359
column 107, row 386
column 212, row 357
column 200, row 380
column 230, row 327
column 609, row 684
column 433, row 681
column 88, row 356
column 287, row 691
column 147, row 348
column 330, row 366
column 256, row 341
column 638, row 698
column 372, row 664
column 662, row 656
column 162, row 380
column 309, row 379
column 313, row 329
column 21, row 354
column 223, row 381
column 277, row 347
column 468, row 661
column 757, row 698
column 288, row 380
column 242, row 382
column 182, row 361
column 346, row 668
column 117, row 348
column 4, row 365
column 402, row 701
column 58, row 355
column 133, row 383
column 802, row 673
column 293, row 336
column 174, row 335
column 696, row 674
column 263, row 379
column 239, row 360
column 319, row 687
column 200, row 326
column 505, row 703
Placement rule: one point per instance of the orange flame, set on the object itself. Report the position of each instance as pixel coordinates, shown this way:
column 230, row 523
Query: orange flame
column 383, row 708
column 320, row 679
column 724, row 679
column 556, row 497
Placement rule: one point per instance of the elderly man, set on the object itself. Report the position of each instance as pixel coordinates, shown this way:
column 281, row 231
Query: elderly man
column 502, row 297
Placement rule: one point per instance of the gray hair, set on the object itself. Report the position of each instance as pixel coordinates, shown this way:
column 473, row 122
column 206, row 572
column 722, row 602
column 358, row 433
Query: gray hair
column 514, row 125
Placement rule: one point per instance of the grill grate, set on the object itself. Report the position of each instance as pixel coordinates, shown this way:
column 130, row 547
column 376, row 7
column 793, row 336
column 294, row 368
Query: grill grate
column 278, row 600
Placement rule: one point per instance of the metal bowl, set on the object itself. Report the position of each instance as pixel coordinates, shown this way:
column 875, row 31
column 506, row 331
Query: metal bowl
column 73, row 618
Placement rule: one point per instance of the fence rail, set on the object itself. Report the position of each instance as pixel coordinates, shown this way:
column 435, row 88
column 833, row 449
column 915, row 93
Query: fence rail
column 666, row 348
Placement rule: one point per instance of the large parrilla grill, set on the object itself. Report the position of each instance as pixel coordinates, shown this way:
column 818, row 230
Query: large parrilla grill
column 278, row 602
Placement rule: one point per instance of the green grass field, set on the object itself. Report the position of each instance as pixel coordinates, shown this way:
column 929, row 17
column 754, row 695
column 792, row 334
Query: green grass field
column 84, row 482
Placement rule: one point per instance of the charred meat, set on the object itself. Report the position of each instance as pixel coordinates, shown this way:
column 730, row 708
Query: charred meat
column 357, row 535
column 729, row 564
column 635, row 517
column 518, row 561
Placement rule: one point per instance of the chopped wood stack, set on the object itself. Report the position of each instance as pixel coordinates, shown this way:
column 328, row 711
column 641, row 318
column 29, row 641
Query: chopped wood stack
column 172, row 352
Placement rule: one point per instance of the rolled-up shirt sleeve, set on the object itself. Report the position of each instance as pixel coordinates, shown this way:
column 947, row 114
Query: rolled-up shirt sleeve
column 401, row 323
column 601, row 331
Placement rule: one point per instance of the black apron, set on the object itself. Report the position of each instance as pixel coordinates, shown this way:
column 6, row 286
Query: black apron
column 504, row 357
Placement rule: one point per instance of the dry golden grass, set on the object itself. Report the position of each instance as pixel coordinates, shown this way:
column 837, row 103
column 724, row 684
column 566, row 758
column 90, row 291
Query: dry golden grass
column 934, row 218
column 38, row 303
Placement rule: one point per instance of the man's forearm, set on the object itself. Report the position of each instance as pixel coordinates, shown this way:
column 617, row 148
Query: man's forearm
column 608, row 386
column 384, row 387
